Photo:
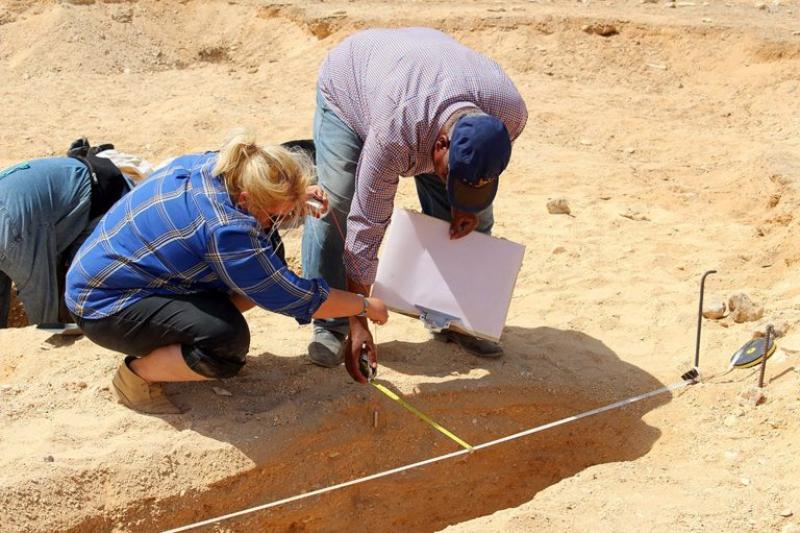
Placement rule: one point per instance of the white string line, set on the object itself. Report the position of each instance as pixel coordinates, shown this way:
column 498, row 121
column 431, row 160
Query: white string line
column 537, row 429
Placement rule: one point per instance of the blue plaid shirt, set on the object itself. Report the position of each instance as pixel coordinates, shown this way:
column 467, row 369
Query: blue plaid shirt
column 179, row 233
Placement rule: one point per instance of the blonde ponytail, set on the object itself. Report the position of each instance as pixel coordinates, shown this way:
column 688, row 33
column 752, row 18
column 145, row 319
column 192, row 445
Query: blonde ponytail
column 271, row 175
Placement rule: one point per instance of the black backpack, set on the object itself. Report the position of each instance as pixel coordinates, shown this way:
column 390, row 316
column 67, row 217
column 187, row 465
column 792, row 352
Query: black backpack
column 108, row 184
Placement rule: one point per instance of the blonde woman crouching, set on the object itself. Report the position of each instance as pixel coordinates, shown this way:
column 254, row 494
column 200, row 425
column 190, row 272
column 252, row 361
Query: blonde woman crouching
column 168, row 271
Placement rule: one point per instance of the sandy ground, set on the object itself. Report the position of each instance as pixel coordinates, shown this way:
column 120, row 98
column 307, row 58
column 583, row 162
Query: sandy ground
column 676, row 142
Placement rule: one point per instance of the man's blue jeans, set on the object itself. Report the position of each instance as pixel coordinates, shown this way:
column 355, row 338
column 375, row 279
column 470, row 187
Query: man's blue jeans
column 338, row 149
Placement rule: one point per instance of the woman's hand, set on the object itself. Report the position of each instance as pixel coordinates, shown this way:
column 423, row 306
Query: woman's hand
column 376, row 311
column 316, row 195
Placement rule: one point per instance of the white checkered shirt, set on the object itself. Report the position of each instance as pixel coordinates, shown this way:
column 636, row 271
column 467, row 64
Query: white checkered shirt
column 396, row 89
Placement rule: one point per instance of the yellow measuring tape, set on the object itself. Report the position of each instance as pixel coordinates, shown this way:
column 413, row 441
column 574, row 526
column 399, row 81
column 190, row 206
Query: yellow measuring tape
column 422, row 416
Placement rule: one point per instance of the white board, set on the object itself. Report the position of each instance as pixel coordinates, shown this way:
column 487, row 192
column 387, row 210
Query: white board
column 471, row 278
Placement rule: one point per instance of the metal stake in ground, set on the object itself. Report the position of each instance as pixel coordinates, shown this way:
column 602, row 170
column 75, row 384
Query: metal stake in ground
column 700, row 317
column 694, row 373
column 770, row 334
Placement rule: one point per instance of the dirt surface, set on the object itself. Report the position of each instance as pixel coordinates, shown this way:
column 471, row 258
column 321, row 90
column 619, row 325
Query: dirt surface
column 673, row 133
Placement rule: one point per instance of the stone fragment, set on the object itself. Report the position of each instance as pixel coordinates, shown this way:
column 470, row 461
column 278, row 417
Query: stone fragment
column 122, row 16
column 779, row 328
column 558, row 206
column 790, row 343
column 221, row 392
column 634, row 215
column 752, row 396
column 786, row 513
column 603, row 30
column 743, row 309
column 714, row 308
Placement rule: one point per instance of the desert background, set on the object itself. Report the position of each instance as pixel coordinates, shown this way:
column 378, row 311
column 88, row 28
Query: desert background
column 672, row 130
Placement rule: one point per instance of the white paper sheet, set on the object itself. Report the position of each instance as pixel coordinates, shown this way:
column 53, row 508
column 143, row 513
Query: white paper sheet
column 470, row 278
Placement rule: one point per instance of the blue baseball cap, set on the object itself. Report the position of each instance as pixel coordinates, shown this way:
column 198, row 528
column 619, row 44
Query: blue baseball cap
column 480, row 149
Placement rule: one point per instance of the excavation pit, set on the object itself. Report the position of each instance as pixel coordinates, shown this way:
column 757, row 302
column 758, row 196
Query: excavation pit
column 429, row 498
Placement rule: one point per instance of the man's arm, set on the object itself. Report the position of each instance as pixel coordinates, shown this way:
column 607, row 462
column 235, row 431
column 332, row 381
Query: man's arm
column 376, row 179
column 370, row 212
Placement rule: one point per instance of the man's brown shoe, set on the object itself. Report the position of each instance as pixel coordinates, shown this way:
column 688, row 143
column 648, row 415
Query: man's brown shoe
column 134, row 392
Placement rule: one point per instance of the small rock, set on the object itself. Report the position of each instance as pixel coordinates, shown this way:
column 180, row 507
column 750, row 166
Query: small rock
column 761, row 5
column 714, row 308
column 745, row 481
column 779, row 328
column 221, row 392
column 585, row 142
column 743, row 309
column 786, row 513
column 634, row 215
column 558, row 206
column 559, row 250
column 334, row 455
column 779, row 356
column 630, row 150
column 731, row 455
column 790, row 343
column 730, row 421
column 752, row 396
column 707, row 21
column 603, row 30
column 48, row 459
column 123, row 16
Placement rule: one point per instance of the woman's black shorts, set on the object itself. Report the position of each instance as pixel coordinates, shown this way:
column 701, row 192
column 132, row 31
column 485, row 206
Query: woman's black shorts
column 213, row 334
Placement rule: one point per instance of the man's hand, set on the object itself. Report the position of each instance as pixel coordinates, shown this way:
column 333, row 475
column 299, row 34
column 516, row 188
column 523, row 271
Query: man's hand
column 462, row 223
column 359, row 336
column 316, row 193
